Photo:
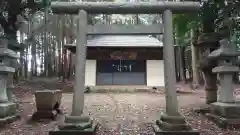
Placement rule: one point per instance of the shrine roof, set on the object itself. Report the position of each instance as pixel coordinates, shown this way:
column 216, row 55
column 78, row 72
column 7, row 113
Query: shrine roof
column 122, row 41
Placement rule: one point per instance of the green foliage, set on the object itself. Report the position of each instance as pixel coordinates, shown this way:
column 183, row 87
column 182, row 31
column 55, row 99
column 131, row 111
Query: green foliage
column 185, row 22
column 11, row 9
column 215, row 15
column 46, row 3
column 235, row 39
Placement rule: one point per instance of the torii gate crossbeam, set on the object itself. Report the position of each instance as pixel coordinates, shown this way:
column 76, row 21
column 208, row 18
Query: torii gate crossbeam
column 124, row 7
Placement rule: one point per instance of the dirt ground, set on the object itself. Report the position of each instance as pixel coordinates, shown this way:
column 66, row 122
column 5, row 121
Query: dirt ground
column 126, row 113
column 118, row 113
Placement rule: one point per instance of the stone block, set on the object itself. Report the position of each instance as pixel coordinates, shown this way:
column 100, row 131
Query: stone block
column 10, row 93
column 48, row 99
column 226, row 69
column 203, row 109
column 76, row 125
column 5, row 52
column 225, row 114
column 158, row 131
column 76, row 119
column 91, row 131
column 228, row 110
column 167, row 126
column 47, row 104
column 4, row 69
column 173, row 125
column 223, row 122
column 8, row 112
column 172, row 119
column 11, row 43
column 7, row 109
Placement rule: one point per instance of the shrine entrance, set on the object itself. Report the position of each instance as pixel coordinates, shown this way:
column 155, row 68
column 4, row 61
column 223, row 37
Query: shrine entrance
column 121, row 72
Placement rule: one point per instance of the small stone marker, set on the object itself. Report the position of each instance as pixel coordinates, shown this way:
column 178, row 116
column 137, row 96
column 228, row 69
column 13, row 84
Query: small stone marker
column 47, row 104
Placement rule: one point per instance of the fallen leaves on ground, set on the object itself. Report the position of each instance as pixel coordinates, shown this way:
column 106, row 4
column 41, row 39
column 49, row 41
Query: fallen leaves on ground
column 24, row 126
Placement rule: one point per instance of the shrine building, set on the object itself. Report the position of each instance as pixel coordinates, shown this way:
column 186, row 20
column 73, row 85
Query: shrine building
column 123, row 60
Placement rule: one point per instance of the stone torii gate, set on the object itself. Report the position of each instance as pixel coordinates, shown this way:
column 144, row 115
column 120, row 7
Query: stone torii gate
column 171, row 120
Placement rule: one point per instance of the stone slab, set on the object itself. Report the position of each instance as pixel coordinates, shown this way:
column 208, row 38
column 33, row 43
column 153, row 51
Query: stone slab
column 203, row 109
column 9, row 53
column 226, row 69
column 6, row 69
column 71, row 132
column 76, row 126
column 7, row 109
column 88, row 131
column 227, row 110
column 76, row 119
column 9, row 119
column 173, row 123
column 158, row 131
column 173, row 119
column 224, row 122
column 172, row 126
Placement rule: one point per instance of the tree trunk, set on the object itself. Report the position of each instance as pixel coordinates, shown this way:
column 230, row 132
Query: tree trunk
column 22, row 58
column 46, row 63
column 33, row 52
column 177, row 63
column 26, row 63
column 183, row 64
column 42, row 55
column 70, row 65
column 34, row 59
column 66, row 65
column 71, row 40
column 59, row 47
column 50, row 54
column 195, row 73
column 54, row 58
column 63, row 49
column 181, row 67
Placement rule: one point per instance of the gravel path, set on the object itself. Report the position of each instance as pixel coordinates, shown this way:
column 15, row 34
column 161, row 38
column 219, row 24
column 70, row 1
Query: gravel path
column 122, row 113
column 127, row 113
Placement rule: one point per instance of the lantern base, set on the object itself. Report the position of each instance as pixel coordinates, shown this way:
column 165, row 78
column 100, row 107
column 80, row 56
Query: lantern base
column 8, row 112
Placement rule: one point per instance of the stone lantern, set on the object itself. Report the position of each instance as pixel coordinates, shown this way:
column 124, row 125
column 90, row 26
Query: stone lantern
column 7, row 108
column 226, row 111
column 16, row 47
